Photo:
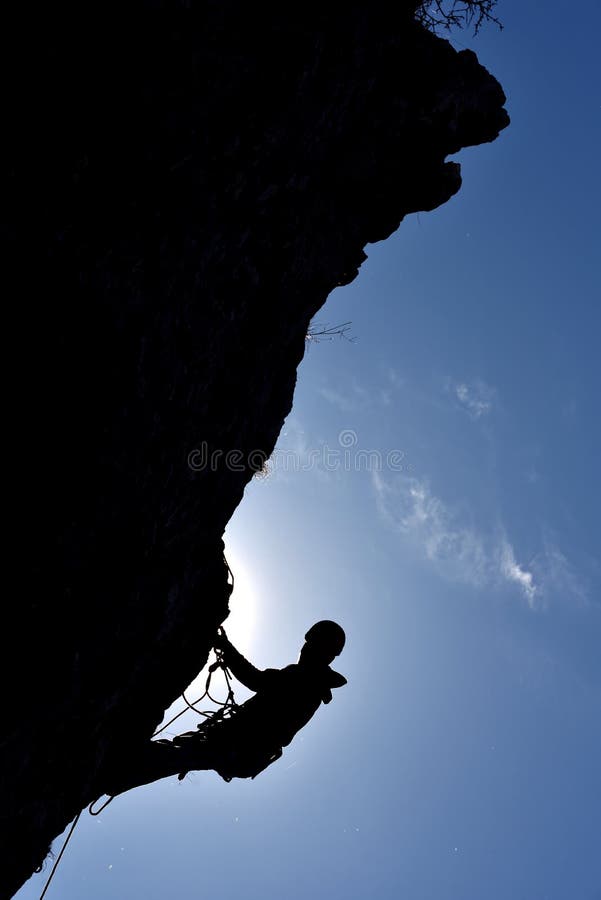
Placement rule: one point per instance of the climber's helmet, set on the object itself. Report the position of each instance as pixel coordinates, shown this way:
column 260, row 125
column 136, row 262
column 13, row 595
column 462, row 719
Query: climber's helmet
column 325, row 640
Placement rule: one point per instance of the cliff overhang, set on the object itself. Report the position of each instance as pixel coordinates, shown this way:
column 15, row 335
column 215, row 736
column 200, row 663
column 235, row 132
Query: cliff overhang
column 183, row 190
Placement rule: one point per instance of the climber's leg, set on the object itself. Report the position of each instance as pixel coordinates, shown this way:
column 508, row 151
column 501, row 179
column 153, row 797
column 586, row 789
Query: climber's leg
column 155, row 761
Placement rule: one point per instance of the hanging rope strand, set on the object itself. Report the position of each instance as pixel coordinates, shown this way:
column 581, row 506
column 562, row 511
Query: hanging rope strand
column 229, row 703
column 227, row 706
column 96, row 812
column 58, row 858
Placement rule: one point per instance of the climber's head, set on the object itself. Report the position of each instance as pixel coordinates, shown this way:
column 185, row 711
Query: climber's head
column 323, row 642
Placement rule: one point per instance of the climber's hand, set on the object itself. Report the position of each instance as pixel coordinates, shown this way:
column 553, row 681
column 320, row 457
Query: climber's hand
column 221, row 642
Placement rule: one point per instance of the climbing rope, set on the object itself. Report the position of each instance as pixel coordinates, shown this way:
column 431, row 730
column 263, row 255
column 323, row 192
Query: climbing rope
column 227, row 707
column 58, row 858
column 96, row 812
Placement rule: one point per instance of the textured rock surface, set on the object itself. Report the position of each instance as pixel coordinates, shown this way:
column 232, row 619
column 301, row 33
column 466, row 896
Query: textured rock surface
column 181, row 193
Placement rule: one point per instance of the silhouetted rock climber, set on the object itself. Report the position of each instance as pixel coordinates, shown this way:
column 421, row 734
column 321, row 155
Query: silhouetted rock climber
column 253, row 736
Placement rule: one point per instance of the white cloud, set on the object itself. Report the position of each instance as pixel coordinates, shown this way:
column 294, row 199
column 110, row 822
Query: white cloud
column 457, row 550
column 475, row 397
column 512, row 571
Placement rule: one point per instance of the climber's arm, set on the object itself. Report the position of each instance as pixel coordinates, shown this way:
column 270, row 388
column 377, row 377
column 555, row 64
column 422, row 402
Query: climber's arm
column 241, row 668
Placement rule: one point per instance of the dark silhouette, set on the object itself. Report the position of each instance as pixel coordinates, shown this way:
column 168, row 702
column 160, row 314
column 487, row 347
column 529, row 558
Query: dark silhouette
column 447, row 14
column 253, row 735
column 183, row 185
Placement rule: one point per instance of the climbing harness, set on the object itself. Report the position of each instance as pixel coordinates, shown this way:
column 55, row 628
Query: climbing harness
column 227, row 708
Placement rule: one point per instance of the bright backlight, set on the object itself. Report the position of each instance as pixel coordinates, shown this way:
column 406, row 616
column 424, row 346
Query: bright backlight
column 240, row 624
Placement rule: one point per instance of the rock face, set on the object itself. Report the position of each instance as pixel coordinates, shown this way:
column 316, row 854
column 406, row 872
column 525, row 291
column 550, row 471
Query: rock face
column 182, row 190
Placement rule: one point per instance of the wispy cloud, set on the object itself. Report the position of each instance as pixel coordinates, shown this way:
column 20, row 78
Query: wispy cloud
column 394, row 378
column 557, row 575
column 355, row 397
column 393, row 383
column 512, row 571
column 457, row 549
column 476, row 398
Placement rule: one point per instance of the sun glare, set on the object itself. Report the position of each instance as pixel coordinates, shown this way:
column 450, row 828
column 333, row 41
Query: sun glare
column 240, row 629
column 241, row 622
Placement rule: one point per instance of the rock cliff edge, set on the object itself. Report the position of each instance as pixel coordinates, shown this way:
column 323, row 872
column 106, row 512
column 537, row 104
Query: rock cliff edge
column 182, row 190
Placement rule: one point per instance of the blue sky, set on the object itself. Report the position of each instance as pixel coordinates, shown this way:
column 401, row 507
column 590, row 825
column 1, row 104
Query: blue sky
column 462, row 759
